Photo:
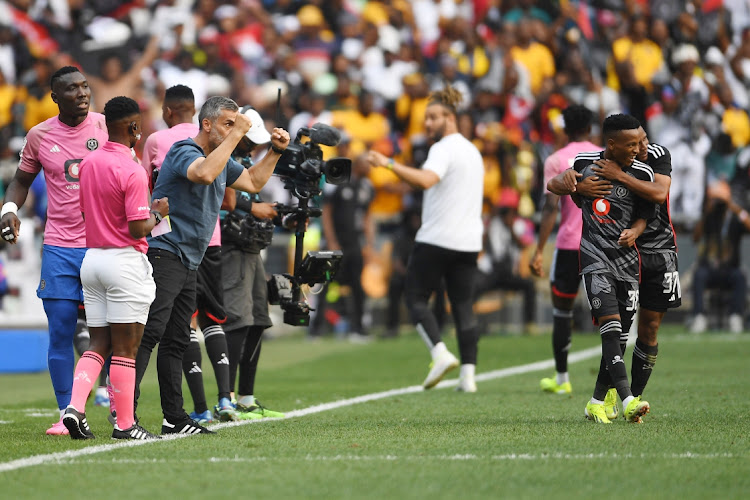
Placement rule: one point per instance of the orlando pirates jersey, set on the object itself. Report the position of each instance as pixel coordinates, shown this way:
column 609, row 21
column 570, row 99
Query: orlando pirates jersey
column 605, row 218
column 659, row 234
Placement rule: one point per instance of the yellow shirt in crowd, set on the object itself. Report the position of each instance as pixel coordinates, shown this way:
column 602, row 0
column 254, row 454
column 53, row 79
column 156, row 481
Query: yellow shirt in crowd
column 646, row 58
column 538, row 61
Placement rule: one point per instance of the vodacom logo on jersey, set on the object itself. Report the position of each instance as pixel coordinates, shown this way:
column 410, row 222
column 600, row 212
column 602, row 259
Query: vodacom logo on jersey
column 600, row 207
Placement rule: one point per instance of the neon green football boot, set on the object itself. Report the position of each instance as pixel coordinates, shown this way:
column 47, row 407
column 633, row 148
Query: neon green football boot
column 636, row 409
column 256, row 408
column 610, row 404
column 596, row 413
column 550, row 385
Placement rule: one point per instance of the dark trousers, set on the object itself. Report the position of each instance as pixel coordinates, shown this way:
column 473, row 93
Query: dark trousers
column 428, row 266
column 505, row 280
column 168, row 325
column 731, row 278
column 396, row 286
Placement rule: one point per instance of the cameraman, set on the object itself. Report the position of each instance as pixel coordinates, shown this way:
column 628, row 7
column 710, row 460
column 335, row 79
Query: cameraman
column 246, row 230
column 450, row 238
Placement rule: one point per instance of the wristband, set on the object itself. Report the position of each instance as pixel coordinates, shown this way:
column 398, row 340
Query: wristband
column 276, row 150
column 9, row 208
column 157, row 216
column 390, row 164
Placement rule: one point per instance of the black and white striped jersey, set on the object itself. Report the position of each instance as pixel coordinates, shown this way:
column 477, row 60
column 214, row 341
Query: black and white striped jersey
column 659, row 234
column 605, row 218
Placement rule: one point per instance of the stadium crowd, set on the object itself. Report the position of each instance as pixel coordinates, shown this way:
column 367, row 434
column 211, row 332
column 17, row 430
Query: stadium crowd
column 681, row 67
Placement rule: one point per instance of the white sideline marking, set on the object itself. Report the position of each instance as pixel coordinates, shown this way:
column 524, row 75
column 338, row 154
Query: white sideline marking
column 62, row 457
column 414, row 458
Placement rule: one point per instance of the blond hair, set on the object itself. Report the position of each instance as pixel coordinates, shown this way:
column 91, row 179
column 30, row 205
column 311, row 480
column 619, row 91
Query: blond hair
column 449, row 98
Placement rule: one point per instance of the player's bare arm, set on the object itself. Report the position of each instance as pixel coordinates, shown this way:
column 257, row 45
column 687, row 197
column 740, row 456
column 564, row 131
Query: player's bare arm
column 628, row 236
column 15, row 197
column 564, row 183
column 655, row 192
column 547, row 224
column 594, row 187
column 141, row 228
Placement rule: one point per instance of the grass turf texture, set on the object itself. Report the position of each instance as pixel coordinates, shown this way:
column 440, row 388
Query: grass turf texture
column 508, row 440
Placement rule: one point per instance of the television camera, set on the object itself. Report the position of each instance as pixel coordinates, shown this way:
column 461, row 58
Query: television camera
column 301, row 167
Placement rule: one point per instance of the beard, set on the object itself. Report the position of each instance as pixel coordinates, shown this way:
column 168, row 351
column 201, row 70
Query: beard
column 438, row 133
column 215, row 138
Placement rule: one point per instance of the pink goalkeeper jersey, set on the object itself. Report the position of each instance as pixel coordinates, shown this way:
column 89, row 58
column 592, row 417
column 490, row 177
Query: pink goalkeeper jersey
column 114, row 191
column 156, row 148
column 58, row 149
column 571, row 223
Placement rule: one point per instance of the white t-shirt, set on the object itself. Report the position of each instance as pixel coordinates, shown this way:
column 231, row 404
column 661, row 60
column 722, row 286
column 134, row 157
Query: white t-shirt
column 452, row 208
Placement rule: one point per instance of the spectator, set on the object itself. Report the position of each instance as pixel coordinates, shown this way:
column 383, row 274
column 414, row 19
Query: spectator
column 535, row 57
column 637, row 51
column 115, row 81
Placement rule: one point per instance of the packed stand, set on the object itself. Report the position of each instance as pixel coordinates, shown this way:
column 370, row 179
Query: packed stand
column 681, row 67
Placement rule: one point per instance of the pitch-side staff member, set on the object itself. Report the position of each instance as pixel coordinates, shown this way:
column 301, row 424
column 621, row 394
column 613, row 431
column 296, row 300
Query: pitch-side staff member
column 117, row 284
column 450, row 238
column 193, row 176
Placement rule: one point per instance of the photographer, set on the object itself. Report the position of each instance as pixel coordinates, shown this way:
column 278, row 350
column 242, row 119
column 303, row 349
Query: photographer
column 450, row 238
column 246, row 230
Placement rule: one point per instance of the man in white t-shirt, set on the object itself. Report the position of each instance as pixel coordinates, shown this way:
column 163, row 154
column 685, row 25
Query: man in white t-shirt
column 450, row 238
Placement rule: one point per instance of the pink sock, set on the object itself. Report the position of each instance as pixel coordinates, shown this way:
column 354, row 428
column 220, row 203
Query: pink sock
column 111, row 394
column 84, row 378
column 122, row 378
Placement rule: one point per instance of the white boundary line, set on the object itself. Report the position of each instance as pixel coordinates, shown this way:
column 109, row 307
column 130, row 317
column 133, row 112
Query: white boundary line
column 495, row 374
column 416, row 458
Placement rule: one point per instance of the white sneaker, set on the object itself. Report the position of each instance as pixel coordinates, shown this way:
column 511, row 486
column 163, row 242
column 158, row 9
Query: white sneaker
column 438, row 369
column 466, row 384
column 700, row 323
column 736, row 324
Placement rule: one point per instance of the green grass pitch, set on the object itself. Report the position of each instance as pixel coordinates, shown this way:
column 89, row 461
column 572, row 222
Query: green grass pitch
column 509, row 440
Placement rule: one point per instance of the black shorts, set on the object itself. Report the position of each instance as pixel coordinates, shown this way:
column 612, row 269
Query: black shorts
column 608, row 296
column 564, row 277
column 210, row 290
column 660, row 281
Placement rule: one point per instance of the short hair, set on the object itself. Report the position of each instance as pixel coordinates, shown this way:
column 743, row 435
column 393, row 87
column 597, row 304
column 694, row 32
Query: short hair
column 616, row 123
column 213, row 106
column 120, row 107
column 577, row 119
column 65, row 70
column 179, row 93
column 449, row 98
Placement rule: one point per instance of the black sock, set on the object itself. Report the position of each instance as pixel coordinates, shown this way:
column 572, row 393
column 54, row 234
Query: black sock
column 249, row 361
column 216, row 347
column 644, row 359
column 235, row 341
column 468, row 340
column 613, row 360
column 562, row 332
column 191, row 367
column 603, row 381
